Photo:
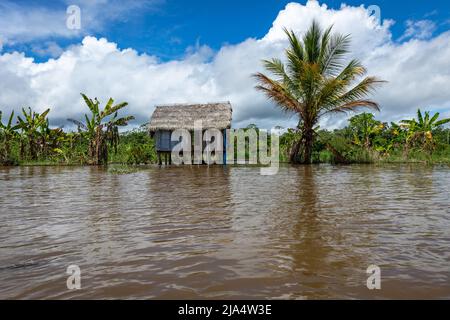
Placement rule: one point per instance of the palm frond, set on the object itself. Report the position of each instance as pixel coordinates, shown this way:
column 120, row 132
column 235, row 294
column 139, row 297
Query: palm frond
column 334, row 54
column 296, row 46
column 311, row 42
column 355, row 106
column 276, row 92
column 276, row 67
column 359, row 91
column 353, row 70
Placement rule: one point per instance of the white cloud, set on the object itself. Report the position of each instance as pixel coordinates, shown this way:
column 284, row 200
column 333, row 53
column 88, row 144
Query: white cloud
column 365, row 31
column 422, row 29
column 418, row 72
column 47, row 49
column 21, row 24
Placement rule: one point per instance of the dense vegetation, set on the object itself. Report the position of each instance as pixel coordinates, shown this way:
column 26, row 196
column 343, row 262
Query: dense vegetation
column 367, row 140
column 28, row 139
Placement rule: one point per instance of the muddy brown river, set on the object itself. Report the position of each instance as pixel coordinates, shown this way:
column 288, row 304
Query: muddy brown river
column 216, row 233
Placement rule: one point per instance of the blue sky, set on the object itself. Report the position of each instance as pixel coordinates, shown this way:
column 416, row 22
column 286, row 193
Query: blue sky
column 166, row 28
column 150, row 52
column 215, row 22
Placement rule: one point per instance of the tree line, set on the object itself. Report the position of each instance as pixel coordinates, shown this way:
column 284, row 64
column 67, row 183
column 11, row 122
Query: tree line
column 366, row 140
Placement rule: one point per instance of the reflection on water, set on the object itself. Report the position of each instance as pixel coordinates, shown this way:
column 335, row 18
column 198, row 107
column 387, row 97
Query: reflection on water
column 198, row 232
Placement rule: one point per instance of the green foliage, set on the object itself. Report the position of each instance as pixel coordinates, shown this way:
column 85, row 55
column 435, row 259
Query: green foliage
column 135, row 147
column 122, row 169
column 101, row 128
column 364, row 129
column 367, row 140
column 420, row 130
column 7, row 134
column 288, row 142
column 30, row 140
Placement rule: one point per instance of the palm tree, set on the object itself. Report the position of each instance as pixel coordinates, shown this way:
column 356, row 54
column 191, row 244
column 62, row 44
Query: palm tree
column 99, row 131
column 315, row 82
column 421, row 130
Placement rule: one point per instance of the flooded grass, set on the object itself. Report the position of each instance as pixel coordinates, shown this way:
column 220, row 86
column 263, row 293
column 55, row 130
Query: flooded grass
column 122, row 169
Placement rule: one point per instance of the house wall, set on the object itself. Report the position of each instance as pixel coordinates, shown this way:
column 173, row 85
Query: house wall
column 162, row 141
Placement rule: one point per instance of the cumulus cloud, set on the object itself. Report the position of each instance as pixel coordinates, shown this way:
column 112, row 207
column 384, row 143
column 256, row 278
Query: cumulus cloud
column 26, row 24
column 47, row 49
column 418, row 73
column 19, row 24
column 417, row 70
column 422, row 29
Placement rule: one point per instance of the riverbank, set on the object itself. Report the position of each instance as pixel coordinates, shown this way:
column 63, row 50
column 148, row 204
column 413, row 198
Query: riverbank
column 137, row 148
column 361, row 156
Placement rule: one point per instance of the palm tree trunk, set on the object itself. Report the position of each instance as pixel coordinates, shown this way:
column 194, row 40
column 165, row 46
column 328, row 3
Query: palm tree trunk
column 308, row 140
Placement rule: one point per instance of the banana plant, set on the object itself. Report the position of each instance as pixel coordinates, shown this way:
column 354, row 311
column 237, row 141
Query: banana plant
column 420, row 130
column 101, row 128
column 365, row 128
column 50, row 139
column 7, row 133
column 32, row 125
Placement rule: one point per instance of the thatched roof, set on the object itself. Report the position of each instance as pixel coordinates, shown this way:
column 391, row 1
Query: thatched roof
column 182, row 116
